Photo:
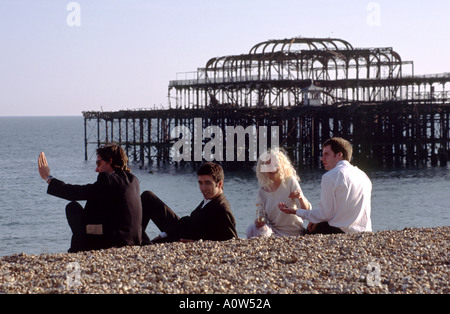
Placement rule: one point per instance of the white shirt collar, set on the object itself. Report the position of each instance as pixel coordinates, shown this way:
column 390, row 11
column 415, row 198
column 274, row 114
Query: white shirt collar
column 343, row 163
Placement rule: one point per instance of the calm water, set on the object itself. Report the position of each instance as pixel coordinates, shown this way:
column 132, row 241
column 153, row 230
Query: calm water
column 33, row 222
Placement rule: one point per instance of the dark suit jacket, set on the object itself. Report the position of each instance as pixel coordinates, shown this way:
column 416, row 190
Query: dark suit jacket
column 113, row 201
column 213, row 222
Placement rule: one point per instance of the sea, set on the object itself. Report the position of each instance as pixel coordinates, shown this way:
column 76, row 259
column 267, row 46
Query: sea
column 33, row 222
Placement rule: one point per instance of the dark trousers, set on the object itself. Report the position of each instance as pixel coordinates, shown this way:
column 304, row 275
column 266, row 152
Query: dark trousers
column 325, row 228
column 152, row 209
column 81, row 241
column 156, row 210
column 75, row 218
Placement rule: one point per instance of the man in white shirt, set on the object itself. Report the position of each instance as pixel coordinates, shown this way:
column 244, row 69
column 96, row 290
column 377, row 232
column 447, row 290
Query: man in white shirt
column 345, row 197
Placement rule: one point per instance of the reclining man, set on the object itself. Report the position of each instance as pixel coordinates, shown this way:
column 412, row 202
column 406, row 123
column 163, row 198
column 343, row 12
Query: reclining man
column 211, row 220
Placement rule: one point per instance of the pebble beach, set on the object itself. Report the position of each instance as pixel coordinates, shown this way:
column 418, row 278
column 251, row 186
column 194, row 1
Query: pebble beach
column 386, row 262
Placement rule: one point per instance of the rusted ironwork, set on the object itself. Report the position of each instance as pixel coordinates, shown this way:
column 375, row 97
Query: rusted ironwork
column 312, row 89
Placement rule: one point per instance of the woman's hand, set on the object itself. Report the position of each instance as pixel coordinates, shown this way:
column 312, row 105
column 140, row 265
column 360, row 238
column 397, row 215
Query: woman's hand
column 296, row 194
column 260, row 223
column 304, row 203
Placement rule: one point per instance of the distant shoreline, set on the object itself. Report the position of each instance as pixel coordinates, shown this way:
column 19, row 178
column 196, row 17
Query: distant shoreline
column 412, row 260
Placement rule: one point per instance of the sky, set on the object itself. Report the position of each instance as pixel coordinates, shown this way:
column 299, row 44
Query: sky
column 60, row 58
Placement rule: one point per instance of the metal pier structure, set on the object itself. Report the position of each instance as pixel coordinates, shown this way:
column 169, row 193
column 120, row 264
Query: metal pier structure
column 295, row 93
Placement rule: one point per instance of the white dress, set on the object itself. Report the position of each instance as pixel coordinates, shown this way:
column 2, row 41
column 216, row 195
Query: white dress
column 278, row 223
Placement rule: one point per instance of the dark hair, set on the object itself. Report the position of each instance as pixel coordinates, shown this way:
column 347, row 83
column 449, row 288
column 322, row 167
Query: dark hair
column 213, row 170
column 340, row 145
column 116, row 154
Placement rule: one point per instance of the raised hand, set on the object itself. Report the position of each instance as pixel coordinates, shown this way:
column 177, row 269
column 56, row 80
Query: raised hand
column 44, row 169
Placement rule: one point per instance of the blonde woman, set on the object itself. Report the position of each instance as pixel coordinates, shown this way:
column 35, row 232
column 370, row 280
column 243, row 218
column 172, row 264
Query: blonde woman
column 278, row 183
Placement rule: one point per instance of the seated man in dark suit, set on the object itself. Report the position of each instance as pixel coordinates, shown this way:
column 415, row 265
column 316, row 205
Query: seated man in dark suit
column 112, row 216
column 211, row 220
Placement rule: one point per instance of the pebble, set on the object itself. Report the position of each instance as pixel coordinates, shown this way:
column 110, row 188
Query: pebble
column 404, row 261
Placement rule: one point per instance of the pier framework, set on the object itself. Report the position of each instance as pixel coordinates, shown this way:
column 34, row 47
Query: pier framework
column 308, row 90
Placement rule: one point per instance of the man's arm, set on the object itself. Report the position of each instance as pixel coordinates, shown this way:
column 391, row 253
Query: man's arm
column 323, row 212
column 66, row 191
column 73, row 192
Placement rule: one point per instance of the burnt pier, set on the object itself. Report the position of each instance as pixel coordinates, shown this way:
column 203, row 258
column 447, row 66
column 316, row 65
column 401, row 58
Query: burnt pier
column 295, row 93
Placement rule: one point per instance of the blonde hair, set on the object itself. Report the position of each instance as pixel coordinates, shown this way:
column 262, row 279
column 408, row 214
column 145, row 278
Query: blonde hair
column 278, row 160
